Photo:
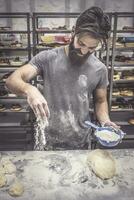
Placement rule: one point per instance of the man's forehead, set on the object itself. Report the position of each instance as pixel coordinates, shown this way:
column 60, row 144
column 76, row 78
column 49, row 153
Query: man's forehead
column 87, row 38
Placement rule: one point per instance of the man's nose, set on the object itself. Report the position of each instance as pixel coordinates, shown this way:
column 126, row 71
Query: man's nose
column 84, row 50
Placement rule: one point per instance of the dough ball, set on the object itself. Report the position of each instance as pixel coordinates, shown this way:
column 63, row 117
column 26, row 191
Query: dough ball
column 2, row 171
column 16, row 189
column 2, row 180
column 8, row 166
column 102, row 163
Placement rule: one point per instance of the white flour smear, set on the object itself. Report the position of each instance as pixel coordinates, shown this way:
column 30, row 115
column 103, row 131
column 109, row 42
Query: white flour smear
column 39, row 134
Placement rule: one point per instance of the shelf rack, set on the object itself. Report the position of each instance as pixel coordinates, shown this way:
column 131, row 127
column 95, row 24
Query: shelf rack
column 36, row 31
column 14, row 134
column 28, row 31
column 113, row 64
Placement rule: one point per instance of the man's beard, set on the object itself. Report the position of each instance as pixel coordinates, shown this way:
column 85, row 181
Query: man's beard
column 75, row 55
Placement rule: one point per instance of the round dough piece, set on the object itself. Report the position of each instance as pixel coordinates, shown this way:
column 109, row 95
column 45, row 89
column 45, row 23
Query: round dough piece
column 8, row 166
column 16, row 189
column 3, row 180
column 2, row 171
column 102, row 163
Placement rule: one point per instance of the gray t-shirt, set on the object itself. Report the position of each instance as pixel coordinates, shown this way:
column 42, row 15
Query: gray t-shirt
column 67, row 90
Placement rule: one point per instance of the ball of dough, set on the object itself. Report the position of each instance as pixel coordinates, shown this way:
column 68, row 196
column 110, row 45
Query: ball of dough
column 16, row 189
column 8, row 166
column 2, row 180
column 102, row 163
column 2, row 171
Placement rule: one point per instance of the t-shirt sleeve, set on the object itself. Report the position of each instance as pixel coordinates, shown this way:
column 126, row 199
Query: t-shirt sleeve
column 40, row 61
column 103, row 82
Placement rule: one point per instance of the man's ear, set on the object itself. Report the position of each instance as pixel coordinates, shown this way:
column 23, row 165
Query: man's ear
column 71, row 37
column 73, row 32
column 73, row 29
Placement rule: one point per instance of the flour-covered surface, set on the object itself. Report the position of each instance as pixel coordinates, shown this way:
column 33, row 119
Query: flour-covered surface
column 64, row 175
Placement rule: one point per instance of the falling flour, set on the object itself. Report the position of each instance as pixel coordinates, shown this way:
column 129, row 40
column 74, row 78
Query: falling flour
column 39, row 135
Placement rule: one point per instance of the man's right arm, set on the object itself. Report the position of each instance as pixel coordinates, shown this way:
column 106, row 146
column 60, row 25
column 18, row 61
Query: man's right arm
column 17, row 82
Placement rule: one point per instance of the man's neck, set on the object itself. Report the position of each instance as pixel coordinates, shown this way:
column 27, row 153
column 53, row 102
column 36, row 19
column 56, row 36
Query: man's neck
column 66, row 50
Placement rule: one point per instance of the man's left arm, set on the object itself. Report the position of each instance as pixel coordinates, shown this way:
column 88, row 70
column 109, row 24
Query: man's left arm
column 101, row 107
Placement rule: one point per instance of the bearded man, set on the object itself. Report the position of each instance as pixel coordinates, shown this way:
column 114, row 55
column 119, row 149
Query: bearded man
column 71, row 75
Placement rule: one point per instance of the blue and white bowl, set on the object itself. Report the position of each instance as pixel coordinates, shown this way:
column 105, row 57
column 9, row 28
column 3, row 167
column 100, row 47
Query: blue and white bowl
column 110, row 143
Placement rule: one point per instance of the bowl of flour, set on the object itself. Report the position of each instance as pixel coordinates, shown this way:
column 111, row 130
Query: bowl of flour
column 108, row 136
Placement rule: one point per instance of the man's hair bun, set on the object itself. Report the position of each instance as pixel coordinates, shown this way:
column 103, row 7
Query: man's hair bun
column 93, row 20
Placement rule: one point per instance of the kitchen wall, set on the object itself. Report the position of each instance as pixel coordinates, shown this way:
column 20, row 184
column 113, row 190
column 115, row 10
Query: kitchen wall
column 62, row 6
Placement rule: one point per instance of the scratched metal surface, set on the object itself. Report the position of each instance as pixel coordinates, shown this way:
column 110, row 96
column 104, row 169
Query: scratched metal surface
column 64, row 175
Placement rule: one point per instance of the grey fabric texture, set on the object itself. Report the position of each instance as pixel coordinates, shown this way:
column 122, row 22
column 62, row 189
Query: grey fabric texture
column 67, row 89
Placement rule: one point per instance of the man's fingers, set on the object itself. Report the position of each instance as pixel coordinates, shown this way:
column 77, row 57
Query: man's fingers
column 37, row 112
column 42, row 111
column 45, row 107
column 33, row 108
column 112, row 124
column 39, row 107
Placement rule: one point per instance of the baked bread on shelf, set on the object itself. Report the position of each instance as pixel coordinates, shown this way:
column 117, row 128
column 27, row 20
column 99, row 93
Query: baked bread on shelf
column 131, row 121
column 127, row 93
column 2, row 107
column 116, row 93
column 16, row 44
column 116, row 77
column 16, row 61
column 5, row 76
column 128, row 77
column 115, row 107
column 15, row 107
column 4, row 61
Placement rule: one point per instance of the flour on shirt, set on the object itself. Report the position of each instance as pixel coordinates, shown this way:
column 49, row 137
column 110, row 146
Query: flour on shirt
column 67, row 90
column 68, row 119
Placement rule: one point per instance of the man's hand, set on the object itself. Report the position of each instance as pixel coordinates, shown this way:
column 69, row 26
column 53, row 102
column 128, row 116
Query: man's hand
column 37, row 102
column 109, row 123
column 17, row 82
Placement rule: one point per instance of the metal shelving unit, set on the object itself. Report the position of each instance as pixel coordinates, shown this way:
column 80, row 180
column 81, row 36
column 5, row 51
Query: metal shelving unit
column 114, row 65
column 37, row 31
column 15, row 126
column 25, row 16
column 121, row 115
